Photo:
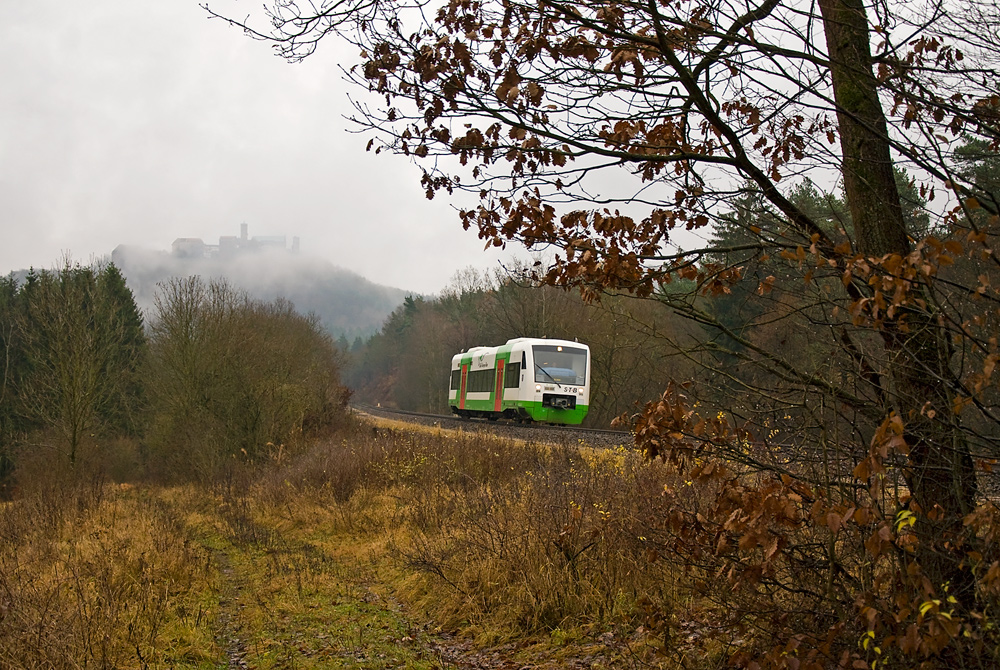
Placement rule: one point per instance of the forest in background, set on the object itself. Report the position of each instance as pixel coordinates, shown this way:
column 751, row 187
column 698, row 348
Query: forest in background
column 212, row 373
column 635, row 347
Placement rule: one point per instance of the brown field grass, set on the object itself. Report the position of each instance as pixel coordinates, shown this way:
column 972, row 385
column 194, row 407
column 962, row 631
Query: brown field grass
column 374, row 548
column 92, row 575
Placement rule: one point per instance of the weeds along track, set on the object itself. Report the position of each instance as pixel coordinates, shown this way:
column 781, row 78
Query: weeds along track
column 561, row 435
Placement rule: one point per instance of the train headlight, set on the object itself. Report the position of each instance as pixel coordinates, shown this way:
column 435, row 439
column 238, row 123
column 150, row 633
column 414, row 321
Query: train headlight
column 579, row 391
column 538, row 388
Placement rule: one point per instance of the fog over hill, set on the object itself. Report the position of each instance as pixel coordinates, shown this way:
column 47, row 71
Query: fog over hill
column 346, row 303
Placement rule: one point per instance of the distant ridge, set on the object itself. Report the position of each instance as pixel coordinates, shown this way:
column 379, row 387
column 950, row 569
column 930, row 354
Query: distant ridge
column 345, row 302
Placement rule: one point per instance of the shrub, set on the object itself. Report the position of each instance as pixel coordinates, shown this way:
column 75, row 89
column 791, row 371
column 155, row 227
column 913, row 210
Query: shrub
column 229, row 375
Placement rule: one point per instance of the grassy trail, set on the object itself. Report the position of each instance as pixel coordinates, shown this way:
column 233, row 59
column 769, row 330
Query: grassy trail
column 286, row 595
column 385, row 548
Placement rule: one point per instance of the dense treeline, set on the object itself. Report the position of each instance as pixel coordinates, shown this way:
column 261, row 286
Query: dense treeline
column 72, row 347
column 214, row 374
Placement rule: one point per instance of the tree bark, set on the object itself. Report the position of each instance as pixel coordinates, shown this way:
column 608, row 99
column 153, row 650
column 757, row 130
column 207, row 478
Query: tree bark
column 940, row 473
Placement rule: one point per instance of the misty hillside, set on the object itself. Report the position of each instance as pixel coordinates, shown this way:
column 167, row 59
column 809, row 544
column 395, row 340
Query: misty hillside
column 346, row 303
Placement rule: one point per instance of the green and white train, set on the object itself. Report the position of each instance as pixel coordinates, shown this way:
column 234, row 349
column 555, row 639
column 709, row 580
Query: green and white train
column 527, row 379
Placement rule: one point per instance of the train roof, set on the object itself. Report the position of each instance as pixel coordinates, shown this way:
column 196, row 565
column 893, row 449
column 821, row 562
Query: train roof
column 527, row 341
column 544, row 340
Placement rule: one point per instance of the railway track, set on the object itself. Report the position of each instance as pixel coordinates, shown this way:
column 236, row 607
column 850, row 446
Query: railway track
column 594, row 437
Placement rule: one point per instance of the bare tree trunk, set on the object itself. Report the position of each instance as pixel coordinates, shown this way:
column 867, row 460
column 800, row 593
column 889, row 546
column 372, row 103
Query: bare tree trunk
column 940, row 471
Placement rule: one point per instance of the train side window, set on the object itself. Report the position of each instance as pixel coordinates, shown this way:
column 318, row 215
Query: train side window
column 512, row 376
column 480, row 381
column 524, row 361
column 456, row 379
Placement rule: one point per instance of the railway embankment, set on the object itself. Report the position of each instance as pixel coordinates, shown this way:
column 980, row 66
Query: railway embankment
column 537, row 432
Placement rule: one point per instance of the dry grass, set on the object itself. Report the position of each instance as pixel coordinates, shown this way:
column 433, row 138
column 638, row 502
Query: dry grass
column 497, row 539
column 373, row 549
column 92, row 575
column 341, row 554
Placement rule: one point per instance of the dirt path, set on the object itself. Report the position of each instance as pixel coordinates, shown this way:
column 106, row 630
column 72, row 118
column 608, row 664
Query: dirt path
column 230, row 634
column 291, row 597
column 281, row 601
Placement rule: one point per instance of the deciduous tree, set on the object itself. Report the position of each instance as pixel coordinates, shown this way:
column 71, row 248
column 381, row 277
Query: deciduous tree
column 605, row 129
column 228, row 375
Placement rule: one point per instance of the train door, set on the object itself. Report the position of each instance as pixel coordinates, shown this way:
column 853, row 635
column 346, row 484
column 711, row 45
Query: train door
column 499, row 386
column 461, row 391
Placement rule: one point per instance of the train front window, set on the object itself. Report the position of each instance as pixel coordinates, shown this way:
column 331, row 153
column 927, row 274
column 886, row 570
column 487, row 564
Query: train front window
column 559, row 364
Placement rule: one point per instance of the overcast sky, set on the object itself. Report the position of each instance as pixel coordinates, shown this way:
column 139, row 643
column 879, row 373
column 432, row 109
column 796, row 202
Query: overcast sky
column 128, row 122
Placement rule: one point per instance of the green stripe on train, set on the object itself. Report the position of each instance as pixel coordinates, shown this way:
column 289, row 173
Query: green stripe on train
column 535, row 410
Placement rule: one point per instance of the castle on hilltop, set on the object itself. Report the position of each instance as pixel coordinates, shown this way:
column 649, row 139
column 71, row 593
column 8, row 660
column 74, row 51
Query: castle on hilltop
column 230, row 245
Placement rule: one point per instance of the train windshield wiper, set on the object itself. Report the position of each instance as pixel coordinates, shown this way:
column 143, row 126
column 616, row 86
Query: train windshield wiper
column 546, row 373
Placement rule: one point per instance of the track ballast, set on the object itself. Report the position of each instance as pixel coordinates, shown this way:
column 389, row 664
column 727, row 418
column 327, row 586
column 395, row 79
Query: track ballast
column 593, row 437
